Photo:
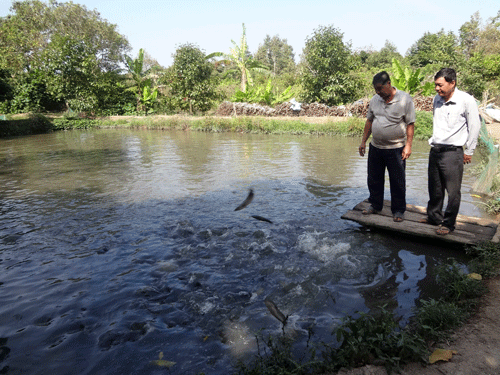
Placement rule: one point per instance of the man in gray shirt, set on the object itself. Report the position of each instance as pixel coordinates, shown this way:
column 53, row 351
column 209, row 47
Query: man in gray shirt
column 390, row 119
column 456, row 123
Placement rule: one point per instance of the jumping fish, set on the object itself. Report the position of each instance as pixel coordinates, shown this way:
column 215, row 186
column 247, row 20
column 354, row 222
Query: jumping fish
column 246, row 202
column 261, row 218
column 273, row 309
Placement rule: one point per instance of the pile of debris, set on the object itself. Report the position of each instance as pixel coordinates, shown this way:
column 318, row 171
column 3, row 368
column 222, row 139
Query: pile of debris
column 423, row 103
column 490, row 113
column 358, row 109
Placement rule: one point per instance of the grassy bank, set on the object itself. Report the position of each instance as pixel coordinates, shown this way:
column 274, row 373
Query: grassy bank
column 352, row 126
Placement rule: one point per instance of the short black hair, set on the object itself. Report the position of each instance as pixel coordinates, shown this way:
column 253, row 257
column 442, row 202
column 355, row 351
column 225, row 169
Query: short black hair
column 448, row 74
column 381, row 78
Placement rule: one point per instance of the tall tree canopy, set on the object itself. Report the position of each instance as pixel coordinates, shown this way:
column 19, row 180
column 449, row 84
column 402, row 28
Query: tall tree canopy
column 469, row 34
column 276, row 54
column 326, row 63
column 27, row 34
column 384, row 57
column 61, row 53
column 434, row 48
column 489, row 38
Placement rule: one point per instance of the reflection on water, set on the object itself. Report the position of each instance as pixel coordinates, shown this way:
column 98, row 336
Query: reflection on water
column 118, row 245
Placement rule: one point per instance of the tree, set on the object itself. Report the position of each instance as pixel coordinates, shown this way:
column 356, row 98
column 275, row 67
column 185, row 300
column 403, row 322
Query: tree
column 192, row 81
column 26, row 34
column 469, row 34
column 325, row 67
column 489, row 37
column 59, row 53
column 438, row 48
column 240, row 59
column 410, row 81
column 384, row 57
column 276, row 54
column 143, row 88
column 71, row 72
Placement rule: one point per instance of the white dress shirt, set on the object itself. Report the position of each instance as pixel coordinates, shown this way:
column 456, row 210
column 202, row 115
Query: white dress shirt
column 456, row 122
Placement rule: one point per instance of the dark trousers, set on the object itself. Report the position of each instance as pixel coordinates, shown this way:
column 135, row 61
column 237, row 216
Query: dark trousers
column 446, row 168
column 378, row 160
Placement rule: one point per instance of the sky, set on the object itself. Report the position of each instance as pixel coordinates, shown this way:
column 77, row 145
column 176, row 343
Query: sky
column 160, row 27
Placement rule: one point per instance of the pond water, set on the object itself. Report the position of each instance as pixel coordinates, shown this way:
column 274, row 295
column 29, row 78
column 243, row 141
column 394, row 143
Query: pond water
column 119, row 245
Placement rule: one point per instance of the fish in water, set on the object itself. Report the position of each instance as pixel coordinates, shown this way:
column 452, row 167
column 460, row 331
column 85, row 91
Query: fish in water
column 246, row 202
column 273, row 309
column 261, row 218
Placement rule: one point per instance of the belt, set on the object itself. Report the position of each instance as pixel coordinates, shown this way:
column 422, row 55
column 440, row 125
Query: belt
column 444, row 148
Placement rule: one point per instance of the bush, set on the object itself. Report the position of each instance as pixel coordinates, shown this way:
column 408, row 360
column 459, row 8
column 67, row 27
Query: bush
column 423, row 125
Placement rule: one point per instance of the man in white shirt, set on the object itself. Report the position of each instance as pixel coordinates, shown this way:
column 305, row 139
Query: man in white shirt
column 456, row 124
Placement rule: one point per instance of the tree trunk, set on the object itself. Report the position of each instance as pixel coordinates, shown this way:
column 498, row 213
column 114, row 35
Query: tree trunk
column 244, row 80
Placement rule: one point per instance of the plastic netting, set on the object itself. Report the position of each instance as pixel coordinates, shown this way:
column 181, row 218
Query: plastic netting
column 484, row 182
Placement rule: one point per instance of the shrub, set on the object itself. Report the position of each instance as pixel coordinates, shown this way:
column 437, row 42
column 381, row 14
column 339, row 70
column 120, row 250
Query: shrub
column 437, row 318
column 423, row 125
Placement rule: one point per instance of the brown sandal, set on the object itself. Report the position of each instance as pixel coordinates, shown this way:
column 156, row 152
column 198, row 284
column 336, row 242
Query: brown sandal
column 443, row 231
column 398, row 217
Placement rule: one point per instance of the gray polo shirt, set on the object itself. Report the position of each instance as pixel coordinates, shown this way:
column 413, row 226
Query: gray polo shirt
column 389, row 120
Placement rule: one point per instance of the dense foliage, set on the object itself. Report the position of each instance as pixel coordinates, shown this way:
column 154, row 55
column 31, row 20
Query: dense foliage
column 192, row 82
column 63, row 57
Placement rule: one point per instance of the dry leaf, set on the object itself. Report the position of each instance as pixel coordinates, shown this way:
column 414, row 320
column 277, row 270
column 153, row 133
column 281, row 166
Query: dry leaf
column 441, row 355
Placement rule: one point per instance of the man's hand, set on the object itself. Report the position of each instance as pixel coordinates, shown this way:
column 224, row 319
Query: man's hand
column 467, row 159
column 406, row 152
column 362, row 149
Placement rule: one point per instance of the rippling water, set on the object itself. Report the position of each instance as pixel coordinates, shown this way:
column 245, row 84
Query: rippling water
column 117, row 245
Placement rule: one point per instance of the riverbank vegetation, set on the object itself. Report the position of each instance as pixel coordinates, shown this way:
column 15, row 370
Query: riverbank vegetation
column 26, row 124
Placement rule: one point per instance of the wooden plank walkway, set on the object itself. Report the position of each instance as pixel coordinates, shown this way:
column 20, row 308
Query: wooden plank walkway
column 469, row 230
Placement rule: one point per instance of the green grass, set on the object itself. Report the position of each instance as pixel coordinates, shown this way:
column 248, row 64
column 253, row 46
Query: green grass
column 353, row 126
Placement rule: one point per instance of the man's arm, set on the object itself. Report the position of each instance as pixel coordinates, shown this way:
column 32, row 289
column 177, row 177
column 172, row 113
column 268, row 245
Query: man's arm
column 474, row 125
column 366, row 134
column 410, row 131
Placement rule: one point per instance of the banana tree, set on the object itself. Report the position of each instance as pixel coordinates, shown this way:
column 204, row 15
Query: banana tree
column 143, row 87
column 149, row 95
column 408, row 80
column 239, row 59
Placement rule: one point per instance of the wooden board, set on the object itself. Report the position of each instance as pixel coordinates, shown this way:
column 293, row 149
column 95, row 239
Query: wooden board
column 469, row 230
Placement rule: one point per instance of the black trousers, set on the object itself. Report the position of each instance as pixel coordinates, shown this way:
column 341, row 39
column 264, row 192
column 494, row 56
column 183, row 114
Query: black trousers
column 378, row 160
column 446, row 168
